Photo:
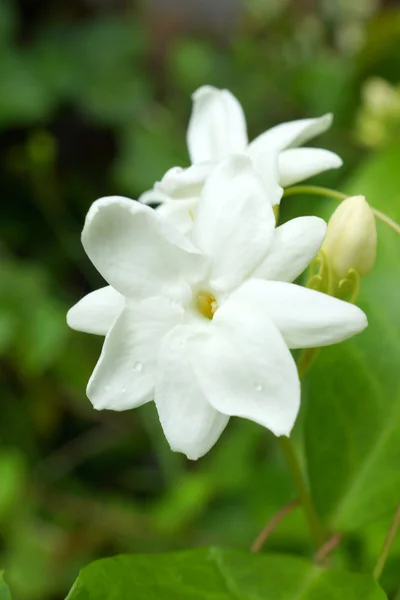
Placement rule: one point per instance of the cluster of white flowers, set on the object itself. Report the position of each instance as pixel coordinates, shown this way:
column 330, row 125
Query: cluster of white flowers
column 201, row 312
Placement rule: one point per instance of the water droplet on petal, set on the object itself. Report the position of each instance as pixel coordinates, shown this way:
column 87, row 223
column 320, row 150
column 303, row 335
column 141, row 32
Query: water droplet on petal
column 138, row 366
column 258, row 386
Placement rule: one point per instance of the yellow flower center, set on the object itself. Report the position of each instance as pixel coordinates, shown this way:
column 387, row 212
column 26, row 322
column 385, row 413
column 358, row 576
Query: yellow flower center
column 206, row 304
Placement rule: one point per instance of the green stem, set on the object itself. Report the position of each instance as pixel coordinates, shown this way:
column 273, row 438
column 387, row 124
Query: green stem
column 316, row 190
column 316, row 527
column 380, row 564
column 314, row 523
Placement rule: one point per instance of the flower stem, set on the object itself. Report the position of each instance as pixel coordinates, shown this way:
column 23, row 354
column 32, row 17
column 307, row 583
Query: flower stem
column 323, row 552
column 314, row 523
column 316, row 190
column 387, row 544
column 272, row 523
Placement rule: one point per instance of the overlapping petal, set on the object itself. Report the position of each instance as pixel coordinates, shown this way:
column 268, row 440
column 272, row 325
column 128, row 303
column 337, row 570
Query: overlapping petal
column 217, row 126
column 179, row 184
column 190, row 424
column 186, row 183
column 137, row 251
column 234, row 223
column 266, row 166
column 96, row 312
column 290, row 134
column 295, row 245
column 245, row 368
column 297, row 164
column 124, row 376
column 304, row 317
column 179, row 214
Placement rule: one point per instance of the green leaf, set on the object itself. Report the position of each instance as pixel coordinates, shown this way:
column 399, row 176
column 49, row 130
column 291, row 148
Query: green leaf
column 218, row 575
column 4, row 591
column 352, row 393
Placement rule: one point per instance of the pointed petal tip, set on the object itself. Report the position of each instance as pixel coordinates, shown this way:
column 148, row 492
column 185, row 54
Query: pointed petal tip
column 363, row 319
column 190, row 455
column 335, row 162
column 98, row 407
column 106, row 201
column 317, row 222
column 203, row 90
column 325, row 120
column 332, row 160
column 339, row 161
column 70, row 318
column 111, row 203
column 282, row 427
column 97, row 400
column 358, row 320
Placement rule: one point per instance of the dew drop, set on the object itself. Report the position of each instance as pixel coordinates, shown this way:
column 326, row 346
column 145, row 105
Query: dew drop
column 138, row 366
column 258, row 387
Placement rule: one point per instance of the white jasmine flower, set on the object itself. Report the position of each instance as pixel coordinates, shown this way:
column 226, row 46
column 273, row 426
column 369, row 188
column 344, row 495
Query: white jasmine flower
column 217, row 129
column 193, row 323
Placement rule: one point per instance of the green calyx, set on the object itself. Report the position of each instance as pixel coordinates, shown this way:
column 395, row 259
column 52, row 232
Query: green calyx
column 322, row 278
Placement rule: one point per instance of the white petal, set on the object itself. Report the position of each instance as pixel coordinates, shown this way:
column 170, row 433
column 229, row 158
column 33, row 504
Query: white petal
column 295, row 245
column 191, row 425
column 217, row 126
column 137, row 251
column 186, row 183
column 291, row 134
column 245, row 369
column 297, row 164
column 96, row 312
column 179, row 184
column 179, row 213
column 305, row 318
column 124, row 376
column 234, row 223
column 267, row 166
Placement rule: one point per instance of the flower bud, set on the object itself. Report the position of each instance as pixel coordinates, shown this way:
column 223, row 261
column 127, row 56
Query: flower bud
column 350, row 241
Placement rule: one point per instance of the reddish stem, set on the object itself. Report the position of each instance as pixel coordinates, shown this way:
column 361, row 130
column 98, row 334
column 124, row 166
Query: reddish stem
column 270, row 526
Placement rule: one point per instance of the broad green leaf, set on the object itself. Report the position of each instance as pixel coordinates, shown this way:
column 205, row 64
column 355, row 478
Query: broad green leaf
column 352, row 393
column 4, row 591
column 217, row 574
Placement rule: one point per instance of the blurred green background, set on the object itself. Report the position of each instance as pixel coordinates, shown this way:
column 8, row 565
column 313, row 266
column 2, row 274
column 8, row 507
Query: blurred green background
column 94, row 100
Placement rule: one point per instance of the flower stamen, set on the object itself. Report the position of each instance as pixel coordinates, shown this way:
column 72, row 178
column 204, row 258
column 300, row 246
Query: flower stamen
column 206, row 304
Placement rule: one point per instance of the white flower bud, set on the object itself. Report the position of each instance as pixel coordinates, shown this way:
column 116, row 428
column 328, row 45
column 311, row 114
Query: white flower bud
column 350, row 241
